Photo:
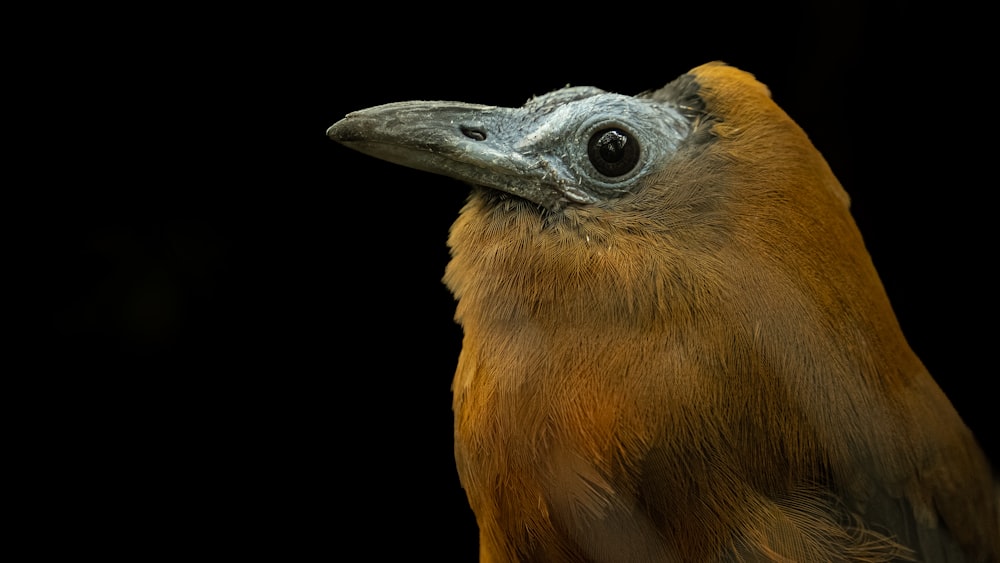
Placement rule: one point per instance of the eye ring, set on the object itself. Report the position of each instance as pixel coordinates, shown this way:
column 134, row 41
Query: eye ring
column 613, row 151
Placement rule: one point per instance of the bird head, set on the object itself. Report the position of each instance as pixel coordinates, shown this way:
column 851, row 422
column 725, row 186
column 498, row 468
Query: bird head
column 619, row 189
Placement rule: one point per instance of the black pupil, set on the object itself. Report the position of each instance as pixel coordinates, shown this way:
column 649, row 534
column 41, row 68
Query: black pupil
column 612, row 145
column 613, row 152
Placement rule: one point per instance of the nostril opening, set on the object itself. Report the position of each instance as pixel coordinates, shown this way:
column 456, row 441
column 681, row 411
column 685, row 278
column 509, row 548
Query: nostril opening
column 474, row 132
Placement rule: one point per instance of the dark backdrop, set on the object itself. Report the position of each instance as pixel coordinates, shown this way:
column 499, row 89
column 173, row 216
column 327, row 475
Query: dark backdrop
column 253, row 343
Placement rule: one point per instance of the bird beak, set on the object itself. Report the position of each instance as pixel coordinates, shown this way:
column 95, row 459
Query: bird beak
column 477, row 144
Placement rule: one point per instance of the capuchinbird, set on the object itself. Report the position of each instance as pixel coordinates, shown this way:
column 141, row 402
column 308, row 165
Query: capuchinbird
column 676, row 346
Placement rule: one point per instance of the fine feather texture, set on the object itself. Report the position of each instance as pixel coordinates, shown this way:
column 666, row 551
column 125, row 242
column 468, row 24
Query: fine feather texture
column 671, row 375
column 693, row 361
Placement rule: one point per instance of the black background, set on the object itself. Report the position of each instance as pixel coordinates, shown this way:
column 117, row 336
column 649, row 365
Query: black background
column 250, row 340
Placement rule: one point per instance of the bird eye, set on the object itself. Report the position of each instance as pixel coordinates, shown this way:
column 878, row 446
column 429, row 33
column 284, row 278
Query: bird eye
column 613, row 152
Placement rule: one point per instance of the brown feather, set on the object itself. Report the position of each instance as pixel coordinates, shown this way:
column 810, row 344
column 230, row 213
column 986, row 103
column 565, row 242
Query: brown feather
column 676, row 346
column 705, row 369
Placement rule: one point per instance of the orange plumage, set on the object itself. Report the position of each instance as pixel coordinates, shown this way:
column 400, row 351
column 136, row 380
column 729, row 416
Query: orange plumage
column 697, row 364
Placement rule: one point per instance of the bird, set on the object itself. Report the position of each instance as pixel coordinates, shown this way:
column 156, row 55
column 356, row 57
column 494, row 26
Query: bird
column 675, row 344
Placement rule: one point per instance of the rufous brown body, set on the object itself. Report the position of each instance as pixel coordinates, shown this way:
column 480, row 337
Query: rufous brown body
column 685, row 358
